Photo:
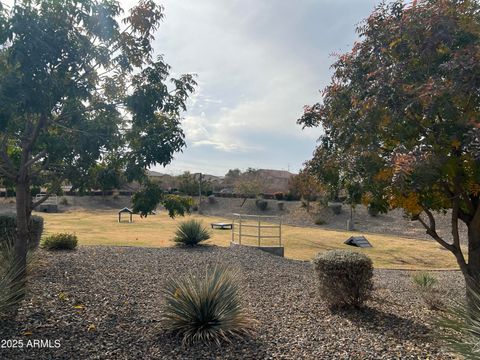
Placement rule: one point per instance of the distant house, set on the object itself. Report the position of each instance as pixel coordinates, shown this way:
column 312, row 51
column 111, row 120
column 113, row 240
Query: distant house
column 274, row 180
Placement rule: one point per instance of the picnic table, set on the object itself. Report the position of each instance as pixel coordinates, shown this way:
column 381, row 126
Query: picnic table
column 222, row 226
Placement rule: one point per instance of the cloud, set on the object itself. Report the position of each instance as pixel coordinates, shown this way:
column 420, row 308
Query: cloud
column 258, row 64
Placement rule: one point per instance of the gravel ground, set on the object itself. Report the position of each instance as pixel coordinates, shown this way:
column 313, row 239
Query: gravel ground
column 105, row 302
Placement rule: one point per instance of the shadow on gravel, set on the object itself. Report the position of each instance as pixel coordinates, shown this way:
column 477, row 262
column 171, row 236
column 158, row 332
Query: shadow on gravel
column 172, row 345
column 384, row 323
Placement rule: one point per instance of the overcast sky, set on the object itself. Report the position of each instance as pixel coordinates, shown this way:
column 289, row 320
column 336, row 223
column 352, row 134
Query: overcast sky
column 258, row 64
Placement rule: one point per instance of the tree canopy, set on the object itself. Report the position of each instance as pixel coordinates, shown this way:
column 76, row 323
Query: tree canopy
column 80, row 84
column 402, row 116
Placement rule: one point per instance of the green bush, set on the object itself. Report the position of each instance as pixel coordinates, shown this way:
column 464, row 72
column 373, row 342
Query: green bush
column 426, row 285
column 206, row 309
column 344, row 277
column 8, row 229
column 191, row 233
column 61, row 241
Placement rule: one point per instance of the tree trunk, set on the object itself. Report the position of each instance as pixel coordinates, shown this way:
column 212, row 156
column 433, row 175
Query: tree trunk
column 21, row 241
column 472, row 273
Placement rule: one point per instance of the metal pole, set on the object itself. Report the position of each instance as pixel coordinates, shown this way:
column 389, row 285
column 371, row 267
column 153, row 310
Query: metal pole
column 240, row 231
column 280, row 233
column 233, row 229
column 199, row 192
column 259, row 231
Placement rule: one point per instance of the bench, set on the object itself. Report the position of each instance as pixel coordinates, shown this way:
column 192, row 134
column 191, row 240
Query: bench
column 222, row 226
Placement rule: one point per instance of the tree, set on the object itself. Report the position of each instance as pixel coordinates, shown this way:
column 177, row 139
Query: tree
column 306, row 186
column 79, row 84
column 248, row 184
column 403, row 109
column 106, row 176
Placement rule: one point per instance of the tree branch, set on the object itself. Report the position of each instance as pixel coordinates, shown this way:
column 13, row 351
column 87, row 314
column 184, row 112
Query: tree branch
column 432, row 231
column 35, row 158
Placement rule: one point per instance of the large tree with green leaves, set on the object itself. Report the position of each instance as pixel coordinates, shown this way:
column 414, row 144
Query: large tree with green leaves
column 79, row 84
column 402, row 115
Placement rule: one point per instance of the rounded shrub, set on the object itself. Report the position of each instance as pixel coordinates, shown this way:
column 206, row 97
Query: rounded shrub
column 261, row 204
column 206, row 309
column 191, row 233
column 61, row 241
column 344, row 277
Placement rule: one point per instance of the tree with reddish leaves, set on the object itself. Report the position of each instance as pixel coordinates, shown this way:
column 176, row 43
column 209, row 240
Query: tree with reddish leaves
column 402, row 114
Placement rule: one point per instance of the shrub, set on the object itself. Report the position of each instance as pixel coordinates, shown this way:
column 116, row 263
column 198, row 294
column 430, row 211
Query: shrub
column 64, row 201
column 261, row 204
column 320, row 221
column 281, row 205
column 8, row 229
column 344, row 277
column 278, row 195
column 206, row 309
column 191, row 233
column 61, row 241
column 426, row 285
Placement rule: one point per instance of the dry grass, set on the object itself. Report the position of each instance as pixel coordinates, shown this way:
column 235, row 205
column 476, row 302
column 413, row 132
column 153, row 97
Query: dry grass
column 102, row 228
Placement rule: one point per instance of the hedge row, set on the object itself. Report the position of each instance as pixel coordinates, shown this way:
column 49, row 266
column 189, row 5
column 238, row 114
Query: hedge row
column 8, row 229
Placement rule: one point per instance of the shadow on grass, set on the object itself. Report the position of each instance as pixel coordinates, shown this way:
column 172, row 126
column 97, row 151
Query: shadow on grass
column 375, row 321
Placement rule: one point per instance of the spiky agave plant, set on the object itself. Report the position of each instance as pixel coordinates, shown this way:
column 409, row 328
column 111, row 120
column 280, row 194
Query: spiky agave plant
column 190, row 233
column 206, row 309
column 460, row 327
column 11, row 290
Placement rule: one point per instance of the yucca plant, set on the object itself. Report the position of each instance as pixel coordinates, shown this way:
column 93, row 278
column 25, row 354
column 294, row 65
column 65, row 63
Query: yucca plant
column 460, row 327
column 11, row 289
column 191, row 233
column 426, row 285
column 206, row 309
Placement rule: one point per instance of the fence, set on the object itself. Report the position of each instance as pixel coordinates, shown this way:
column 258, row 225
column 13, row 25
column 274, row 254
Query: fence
column 250, row 227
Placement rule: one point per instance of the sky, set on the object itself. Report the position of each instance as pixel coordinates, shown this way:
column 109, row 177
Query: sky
column 257, row 64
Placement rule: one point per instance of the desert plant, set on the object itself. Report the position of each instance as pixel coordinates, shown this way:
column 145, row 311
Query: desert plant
column 426, row 285
column 61, row 241
column 344, row 277
column 191, row 233
column 261, row 204
column 11, row 289
column 206, row 309
column 8, row 229
column 459, row 326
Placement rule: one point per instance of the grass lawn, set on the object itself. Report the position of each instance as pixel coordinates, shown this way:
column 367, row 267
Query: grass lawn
column 302, row 243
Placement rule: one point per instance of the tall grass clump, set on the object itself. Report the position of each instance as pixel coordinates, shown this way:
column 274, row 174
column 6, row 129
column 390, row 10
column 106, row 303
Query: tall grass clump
column 61, row 241
column 459, row 327
column 206, row 309
column 12, row 289
column 426, row 285
column 191, row 233
column 344, row 277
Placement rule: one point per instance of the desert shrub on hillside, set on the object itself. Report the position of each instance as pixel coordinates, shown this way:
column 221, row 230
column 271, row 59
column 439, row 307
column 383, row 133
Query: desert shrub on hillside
column 261, row 204
column 60, row 241
column 191, row 233
column 344, row 277
column 426, row 286
column 206, row 309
